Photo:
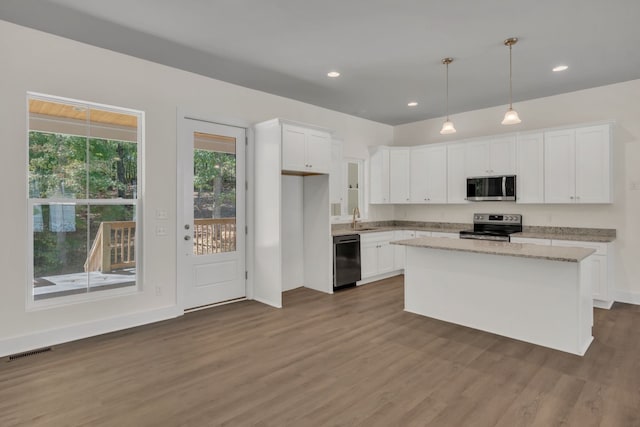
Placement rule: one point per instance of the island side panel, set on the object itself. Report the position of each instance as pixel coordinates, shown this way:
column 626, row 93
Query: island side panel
column 534, row 300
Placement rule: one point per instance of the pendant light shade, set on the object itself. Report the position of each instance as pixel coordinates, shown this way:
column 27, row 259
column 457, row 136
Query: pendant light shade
column 447, row 126
column 511, row 116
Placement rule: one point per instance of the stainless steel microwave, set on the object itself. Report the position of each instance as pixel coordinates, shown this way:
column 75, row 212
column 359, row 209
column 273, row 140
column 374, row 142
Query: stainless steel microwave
column 491, row 188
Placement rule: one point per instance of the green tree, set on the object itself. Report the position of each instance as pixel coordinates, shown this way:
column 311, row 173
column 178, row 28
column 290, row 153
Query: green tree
column 214, row 181
column 59, row 166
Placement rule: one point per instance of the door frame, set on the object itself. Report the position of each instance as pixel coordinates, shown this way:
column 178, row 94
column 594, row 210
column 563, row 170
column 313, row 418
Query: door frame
column 184, row 114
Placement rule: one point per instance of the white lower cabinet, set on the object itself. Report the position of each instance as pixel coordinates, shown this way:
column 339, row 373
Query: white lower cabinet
column 601, row 268
column 399, row 251
column 376, row 254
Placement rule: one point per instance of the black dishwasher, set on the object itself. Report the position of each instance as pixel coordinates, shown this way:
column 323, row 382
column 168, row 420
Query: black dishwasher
column 346, row 261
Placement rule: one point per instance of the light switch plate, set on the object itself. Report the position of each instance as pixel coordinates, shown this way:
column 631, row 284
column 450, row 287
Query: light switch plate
column 162, row 214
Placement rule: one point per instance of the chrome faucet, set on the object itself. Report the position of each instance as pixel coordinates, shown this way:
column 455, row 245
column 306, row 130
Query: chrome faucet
column 356, row 214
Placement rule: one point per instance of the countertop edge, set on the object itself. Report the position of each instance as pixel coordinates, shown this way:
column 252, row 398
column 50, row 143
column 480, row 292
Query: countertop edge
column 485, row 247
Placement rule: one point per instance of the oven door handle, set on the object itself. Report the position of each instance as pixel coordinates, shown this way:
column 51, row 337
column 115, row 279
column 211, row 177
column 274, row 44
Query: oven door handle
column 504, row 186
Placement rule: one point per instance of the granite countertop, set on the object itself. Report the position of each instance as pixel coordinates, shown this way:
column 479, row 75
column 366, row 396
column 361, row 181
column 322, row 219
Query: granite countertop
column 524, row 250
column 566, row 236
column 375, row 227
column 601, row 235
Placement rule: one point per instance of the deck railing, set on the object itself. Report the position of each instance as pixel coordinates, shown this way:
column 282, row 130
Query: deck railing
column 114, row 245
column 113, row 248
column 212, row 236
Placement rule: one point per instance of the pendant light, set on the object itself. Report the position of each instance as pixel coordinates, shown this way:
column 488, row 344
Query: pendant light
column 447, row 126
column 511, row 116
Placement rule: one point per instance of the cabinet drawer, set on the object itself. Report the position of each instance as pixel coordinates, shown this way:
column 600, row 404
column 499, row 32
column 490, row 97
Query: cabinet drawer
column 601, row 248
column 376, row 237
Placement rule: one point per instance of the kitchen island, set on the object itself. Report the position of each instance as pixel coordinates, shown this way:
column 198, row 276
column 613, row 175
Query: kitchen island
column 537, row 294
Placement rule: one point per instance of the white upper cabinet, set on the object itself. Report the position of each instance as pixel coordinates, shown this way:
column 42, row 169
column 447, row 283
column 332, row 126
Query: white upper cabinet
column 379, row 176
column 477, row 159
column 593, row 164
column 577, row 166
column 559, row 166
column 428, row 174
column 336, row 178
column 495, row 156
column 305, row 150
column 530, row 168
column 399, row 175
column 456, row 174
column 502, row 155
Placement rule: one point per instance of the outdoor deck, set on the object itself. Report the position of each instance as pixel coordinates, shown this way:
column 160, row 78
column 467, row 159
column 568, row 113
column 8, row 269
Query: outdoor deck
column 112, row 263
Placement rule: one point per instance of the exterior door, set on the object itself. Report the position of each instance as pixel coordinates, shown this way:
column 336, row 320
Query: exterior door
column 211, row 235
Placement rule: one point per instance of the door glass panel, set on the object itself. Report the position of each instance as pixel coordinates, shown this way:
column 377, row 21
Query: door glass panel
column 214, row 194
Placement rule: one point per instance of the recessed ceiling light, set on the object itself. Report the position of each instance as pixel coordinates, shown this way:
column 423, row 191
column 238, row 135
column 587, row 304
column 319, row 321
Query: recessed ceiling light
column 412, row 104
column 333, row 74
column 560, row 68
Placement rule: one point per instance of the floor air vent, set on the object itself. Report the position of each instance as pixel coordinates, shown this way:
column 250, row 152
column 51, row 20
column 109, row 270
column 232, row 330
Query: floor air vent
column 29, row 353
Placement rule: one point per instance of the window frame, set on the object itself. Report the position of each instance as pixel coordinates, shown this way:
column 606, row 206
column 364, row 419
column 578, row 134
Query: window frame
column 346, row 216
column 32, row 304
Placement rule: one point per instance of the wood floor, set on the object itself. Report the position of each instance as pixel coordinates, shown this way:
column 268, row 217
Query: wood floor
column 353, row 358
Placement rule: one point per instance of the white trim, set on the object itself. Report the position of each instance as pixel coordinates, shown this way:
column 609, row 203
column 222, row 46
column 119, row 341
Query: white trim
column 30, row 303
column 379, row 277
column 268, row 302
column 182, row 115
column 98, row 295
column 79, row 331
column 628, row 297
column 606, row 305
column 249, row 211
column 301, row 124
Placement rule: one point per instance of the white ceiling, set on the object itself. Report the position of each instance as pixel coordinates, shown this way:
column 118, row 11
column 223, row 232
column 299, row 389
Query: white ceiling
column 388, row 51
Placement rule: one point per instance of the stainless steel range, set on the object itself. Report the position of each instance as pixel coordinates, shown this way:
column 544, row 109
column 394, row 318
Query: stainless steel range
column 493, row 227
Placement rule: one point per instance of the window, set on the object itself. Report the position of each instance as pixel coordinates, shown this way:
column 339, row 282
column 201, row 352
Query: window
column 351, row 190
column 84, row 190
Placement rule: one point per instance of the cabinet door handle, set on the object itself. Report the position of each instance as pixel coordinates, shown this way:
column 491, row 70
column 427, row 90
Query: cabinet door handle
column 571, row 197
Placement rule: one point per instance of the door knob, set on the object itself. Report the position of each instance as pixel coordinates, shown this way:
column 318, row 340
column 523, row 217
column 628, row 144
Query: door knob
column 186, row 226
column 187, row 237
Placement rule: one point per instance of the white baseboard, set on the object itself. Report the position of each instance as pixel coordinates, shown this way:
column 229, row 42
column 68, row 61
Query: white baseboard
column 57, row 336
column 267, row 302
column 606, row 305
column 380, row 277
column 629, row 297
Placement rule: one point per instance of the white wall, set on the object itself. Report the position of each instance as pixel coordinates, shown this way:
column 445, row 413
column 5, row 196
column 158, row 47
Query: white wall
column 618, row 102
column 36, row 61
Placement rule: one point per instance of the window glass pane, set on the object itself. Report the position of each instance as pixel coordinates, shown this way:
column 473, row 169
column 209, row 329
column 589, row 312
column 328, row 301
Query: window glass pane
column 57, row 166
column 111, row 262
column 214, row 194
column 113, row 169
column 59, row 249
column 80, row 154
column 353, row 183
